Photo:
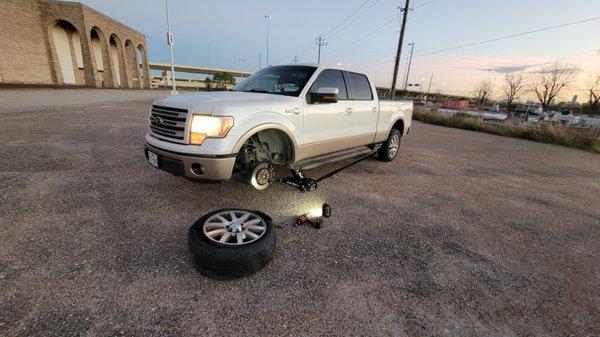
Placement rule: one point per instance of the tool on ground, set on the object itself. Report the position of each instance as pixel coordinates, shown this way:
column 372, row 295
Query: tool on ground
column 314, row 219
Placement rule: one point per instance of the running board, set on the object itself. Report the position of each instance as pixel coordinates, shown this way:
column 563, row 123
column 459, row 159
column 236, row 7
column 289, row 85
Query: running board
column 333, row 157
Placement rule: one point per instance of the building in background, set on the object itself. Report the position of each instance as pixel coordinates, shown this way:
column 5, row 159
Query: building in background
column 46, row 42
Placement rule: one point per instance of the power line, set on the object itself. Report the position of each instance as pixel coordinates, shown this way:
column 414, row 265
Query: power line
column 496, row 39
column 509, row 36
column 425, row 4
column 366, row 36
column 355, row 19
column 312, row 45
column 387, row 23
column 348, row 17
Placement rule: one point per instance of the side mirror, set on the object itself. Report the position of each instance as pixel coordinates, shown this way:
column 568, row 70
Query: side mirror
column 324, row 95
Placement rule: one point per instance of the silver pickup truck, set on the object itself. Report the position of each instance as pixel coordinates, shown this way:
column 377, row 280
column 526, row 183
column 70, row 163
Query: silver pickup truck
column 294, row 115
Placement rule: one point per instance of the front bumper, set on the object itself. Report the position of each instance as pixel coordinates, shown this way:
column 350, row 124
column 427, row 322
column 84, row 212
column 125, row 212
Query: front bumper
column 197, row 167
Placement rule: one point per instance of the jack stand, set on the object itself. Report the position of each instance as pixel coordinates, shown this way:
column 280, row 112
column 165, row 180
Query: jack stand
column 300, row 182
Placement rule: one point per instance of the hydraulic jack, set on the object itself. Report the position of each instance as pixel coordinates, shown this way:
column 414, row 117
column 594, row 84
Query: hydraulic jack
column 299, row 181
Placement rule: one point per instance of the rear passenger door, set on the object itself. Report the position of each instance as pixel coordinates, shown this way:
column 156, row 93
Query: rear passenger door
column 365, row 108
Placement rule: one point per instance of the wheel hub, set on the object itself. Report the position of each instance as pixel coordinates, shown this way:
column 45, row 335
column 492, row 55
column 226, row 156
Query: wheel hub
column 262, row 177
column 394, row 144
column 234, row 227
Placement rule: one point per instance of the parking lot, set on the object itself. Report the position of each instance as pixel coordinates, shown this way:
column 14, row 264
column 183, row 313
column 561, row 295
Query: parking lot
column 464, row 234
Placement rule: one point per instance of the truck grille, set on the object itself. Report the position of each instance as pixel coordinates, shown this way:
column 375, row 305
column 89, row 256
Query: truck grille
column 168, row 123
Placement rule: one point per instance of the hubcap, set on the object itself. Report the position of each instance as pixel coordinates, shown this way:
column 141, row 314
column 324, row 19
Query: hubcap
column 234, row 227
column 394, row 144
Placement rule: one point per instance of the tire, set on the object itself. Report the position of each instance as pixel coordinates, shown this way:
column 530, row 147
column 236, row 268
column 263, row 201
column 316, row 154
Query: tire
column 226, row 261
column 391, row 147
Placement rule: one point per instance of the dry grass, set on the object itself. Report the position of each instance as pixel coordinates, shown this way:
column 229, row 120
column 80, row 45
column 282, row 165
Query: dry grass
column 584, row 139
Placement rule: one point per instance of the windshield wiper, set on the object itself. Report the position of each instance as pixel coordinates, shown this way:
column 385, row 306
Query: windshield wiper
column 259, row 90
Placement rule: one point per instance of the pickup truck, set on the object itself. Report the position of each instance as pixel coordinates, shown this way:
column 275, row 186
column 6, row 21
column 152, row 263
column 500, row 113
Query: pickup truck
column 293, row 115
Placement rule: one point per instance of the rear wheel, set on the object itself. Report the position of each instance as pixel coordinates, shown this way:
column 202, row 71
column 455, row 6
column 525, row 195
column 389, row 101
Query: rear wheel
column 390, row 148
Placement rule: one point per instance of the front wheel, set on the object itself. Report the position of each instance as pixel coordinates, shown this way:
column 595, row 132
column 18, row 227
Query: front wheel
column 390, row 148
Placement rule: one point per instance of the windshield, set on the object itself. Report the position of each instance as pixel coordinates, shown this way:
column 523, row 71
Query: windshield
column 280, row 80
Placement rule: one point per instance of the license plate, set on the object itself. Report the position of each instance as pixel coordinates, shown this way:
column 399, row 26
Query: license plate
column 153, row 159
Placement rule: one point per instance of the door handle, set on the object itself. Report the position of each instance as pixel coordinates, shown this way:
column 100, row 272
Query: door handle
column 348, row 111
column 374, row 109
column 295, row 111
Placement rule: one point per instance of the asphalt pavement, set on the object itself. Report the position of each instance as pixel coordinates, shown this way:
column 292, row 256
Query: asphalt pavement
column 464, row 234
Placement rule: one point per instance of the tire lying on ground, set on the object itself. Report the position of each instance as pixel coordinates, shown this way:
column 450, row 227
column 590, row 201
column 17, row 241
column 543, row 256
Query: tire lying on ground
column 231, row 243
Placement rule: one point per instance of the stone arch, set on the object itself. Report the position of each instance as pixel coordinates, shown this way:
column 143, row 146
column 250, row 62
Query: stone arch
column 142, row 60
column 116, row 60
column 67, row 53
column 100, row 57
column 131, row 65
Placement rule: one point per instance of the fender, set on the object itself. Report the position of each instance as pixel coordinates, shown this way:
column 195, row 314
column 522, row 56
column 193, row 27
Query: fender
column 254, row 124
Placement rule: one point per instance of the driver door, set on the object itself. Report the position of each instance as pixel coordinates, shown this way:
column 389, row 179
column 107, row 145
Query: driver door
column 327, row 126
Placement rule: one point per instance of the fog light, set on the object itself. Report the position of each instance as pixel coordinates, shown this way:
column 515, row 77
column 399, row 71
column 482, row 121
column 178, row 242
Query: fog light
column 197, row 169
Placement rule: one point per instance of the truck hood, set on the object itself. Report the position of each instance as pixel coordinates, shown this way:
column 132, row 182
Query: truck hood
column 226, row 102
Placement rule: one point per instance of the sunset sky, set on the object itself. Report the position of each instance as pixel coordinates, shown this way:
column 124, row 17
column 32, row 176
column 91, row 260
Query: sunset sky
column 366, row 41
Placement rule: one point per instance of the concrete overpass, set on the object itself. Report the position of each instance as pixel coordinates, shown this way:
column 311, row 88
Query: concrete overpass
column 197, row 70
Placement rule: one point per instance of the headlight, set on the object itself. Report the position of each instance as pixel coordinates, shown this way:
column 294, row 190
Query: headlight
column 203, row 127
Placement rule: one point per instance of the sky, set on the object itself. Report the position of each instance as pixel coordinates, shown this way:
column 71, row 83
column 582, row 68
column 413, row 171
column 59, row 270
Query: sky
column 363, row 35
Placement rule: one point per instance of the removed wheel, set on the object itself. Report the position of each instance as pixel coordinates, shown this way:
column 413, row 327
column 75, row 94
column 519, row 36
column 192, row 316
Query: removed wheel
column 231, row 243
column 390, row 148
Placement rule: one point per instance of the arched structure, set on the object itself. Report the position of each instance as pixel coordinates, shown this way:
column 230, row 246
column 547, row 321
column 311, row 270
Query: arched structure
column 66, row 45
column 116, row 60
column 144, row 68
column 100, row 58
column 131, row 65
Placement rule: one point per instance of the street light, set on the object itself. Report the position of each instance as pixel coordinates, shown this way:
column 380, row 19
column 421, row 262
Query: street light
column 170, row 41
column 268, row 18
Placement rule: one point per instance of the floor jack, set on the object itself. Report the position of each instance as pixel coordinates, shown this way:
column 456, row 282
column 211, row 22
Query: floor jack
column 304, row 184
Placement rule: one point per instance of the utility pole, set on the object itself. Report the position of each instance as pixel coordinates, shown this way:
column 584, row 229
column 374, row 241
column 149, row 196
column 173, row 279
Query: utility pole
column 320, row 42
column 268, row 18
column 429, row 89
column 399, row 52
column 170, row 41
column 412, row 48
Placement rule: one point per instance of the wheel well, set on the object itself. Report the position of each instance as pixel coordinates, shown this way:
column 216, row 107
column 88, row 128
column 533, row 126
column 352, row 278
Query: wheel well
column 279, row 145
column 399, row 125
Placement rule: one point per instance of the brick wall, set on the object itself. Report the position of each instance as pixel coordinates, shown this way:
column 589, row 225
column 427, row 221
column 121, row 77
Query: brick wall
column 23, row 54
column 28, row 55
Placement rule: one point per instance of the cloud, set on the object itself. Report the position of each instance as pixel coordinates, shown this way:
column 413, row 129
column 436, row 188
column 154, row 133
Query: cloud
column 509, row 69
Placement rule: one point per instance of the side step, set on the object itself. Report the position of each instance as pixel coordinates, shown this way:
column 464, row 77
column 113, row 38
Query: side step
column 333, row 157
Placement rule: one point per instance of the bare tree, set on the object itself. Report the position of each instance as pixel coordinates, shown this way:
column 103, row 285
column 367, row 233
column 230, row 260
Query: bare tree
column 594, row 92
column 551, row 81
column 484, row 90
column 514, row 86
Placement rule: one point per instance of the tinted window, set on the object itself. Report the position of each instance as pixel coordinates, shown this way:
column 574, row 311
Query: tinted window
column 280, row 80
column 333, row 79
column 360, row 87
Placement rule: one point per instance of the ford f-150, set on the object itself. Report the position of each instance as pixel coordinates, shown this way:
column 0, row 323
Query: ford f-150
column 294, row 115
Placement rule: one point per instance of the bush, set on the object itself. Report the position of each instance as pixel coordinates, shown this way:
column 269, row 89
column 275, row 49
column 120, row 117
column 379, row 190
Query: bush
column 585, row 139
